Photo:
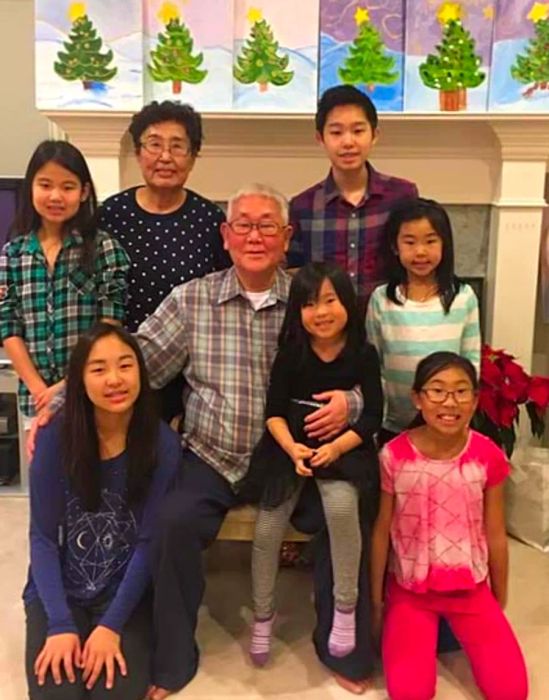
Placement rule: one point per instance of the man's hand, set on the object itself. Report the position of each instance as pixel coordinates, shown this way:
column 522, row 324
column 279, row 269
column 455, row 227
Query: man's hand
column 299, row 454
column 58, row 650
column 328, row 421
column 43, row 398
column 325, row 455
column 102, row 648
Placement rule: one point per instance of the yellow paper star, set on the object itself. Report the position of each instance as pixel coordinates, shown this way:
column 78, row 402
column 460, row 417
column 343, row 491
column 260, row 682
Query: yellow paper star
column 361, row 16
column 254, row 15
column 489, row 12
column 449, row 11
column 167, row 12
column 77, row 10
column 539, row 11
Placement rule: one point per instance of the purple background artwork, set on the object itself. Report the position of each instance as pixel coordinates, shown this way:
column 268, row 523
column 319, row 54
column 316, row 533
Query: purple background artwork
column 337, row 20
column 512, row 20
column 424, row 29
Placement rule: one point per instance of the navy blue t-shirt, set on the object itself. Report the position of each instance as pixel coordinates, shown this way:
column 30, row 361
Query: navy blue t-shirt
column 84, row 557
column 165, row 249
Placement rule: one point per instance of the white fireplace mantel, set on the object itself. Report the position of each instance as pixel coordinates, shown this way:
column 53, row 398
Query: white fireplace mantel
column 496, row 159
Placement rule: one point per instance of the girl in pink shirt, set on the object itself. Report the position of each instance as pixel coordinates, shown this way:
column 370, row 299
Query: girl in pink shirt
column 442, row 513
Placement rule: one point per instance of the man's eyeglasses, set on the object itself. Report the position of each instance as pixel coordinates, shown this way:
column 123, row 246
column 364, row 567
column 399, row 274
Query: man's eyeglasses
column 436, row 395
column 156, row 147
column 267, row 229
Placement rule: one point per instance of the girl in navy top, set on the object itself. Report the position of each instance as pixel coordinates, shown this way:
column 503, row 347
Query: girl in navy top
column 98, row 477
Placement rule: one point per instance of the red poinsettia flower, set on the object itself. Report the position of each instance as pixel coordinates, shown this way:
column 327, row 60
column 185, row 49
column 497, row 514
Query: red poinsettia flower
column 490, row 373
column 538, row 393
column 507, row 412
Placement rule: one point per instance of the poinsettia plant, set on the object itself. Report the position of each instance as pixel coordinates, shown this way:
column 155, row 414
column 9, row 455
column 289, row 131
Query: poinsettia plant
column 503, row 387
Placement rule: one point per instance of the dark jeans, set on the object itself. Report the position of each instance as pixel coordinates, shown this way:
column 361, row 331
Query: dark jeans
column 137, row 638
column 446, row 639
column 190, row 521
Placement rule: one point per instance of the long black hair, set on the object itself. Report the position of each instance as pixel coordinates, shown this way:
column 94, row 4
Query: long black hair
column 84, row 221
column 306, row 287
column 81, row 444
column 412, row 210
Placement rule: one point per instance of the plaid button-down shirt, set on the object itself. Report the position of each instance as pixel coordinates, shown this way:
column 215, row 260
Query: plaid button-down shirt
column 208, row 329
column 50, row 310
column 329, row 228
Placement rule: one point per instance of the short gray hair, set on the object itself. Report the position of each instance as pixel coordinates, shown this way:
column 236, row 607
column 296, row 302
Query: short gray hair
column 261, row 191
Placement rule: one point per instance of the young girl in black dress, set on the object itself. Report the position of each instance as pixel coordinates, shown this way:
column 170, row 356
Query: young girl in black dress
column 322, row 347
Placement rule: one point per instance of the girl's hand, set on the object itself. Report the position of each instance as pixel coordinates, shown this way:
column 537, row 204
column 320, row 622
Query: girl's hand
column 58, row 650
column 327, row 422
column 43, row 399
column 299, row 454
column 325, row 455
column 102, row 648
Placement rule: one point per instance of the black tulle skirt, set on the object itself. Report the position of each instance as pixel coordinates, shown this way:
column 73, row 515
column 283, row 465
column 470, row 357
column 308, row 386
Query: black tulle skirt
column 271, row 478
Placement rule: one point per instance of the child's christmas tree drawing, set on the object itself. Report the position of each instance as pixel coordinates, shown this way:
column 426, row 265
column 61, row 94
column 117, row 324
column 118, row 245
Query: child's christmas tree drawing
column 172, row 60
column 275, row 49
column 367, row 62
column 520, row 80
column 362, row 44
column 81, row 58
column 189, row 52
column 260, row 60
column 532, row 67
column 448, row 47
column 89, row 55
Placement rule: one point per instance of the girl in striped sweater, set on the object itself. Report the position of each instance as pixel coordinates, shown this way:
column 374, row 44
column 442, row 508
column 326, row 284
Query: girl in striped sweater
column 424, row 307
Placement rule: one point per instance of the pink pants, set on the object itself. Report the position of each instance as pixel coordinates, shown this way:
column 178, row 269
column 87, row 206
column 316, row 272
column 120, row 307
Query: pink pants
column 410, row 640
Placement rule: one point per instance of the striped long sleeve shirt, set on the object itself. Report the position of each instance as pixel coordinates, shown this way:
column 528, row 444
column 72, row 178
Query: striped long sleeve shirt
column 405, row 334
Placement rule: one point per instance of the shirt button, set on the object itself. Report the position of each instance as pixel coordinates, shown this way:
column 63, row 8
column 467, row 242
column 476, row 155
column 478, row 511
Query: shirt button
column 352, row 274
column 353, row 245
column 353, row 215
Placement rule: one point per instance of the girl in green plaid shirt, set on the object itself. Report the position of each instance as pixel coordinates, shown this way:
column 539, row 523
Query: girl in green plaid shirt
column 58, row 273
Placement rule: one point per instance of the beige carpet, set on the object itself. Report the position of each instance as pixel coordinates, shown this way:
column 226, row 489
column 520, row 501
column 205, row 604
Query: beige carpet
column 294, row 671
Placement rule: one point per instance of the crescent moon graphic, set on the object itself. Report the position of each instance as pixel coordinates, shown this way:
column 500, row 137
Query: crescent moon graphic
column 78, row 540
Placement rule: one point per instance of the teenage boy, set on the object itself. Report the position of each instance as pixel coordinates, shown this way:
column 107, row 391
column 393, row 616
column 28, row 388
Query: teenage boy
column 341, row 218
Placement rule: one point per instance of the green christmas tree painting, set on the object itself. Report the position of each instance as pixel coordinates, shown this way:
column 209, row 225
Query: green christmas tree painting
column 82, row 58
column 367, row 62
column 172, row 59
column 456, row 67
column 259, row 61
column 532, row 68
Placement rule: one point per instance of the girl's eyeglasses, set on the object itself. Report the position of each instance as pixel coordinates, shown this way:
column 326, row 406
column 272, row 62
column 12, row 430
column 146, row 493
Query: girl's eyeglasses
column 435, row 395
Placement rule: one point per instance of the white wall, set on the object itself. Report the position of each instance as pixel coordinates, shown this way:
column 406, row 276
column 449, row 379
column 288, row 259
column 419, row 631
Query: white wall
column 21, row 125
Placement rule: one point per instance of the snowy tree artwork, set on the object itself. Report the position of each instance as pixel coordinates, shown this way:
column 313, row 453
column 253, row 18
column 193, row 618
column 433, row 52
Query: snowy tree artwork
column 362, row 44
column 448, row 50
column 189, row 52
column 275, row 55
column 520, row 60
column 88, row 55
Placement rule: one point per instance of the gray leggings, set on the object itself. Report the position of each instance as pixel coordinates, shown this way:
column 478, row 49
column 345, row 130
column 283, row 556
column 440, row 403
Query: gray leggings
column 340, row 502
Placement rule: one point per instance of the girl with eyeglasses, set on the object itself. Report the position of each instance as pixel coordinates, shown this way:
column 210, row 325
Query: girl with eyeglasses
column 423, row 308
column 441, row 527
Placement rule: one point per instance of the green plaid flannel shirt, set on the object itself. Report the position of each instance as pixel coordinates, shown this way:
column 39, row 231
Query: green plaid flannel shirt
column 51, row 311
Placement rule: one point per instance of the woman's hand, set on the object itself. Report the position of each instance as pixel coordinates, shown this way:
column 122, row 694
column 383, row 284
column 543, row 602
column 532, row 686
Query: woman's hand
column 325, row 455
column 327, row 422
column 58, row 650
column 102, row 648
column 299, row 454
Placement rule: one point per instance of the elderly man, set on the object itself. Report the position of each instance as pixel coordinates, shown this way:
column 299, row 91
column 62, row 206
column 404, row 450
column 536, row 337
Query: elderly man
column 221, row 332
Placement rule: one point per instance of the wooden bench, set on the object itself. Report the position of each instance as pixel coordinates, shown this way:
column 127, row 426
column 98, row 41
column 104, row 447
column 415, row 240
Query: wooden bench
column 240, row 522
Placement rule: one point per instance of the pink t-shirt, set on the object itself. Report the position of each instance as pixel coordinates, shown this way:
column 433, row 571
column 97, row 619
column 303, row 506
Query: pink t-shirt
column 437, row 534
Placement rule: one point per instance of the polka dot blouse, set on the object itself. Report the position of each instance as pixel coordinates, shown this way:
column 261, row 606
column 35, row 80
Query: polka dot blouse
column 165, row 249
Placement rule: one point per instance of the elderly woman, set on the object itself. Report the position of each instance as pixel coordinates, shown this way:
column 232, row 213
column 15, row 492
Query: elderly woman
column 170, row 233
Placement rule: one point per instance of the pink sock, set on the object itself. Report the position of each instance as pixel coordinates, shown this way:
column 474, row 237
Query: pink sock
column 342, row 635
column 260, row 644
